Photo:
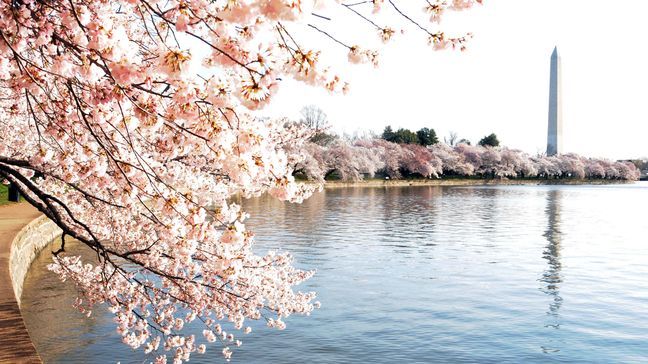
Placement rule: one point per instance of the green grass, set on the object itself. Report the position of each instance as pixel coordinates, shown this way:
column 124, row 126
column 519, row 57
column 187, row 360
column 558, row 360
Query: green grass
column 4, row 194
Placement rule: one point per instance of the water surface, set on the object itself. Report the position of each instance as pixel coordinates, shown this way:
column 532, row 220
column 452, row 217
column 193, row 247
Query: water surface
column 424, row 275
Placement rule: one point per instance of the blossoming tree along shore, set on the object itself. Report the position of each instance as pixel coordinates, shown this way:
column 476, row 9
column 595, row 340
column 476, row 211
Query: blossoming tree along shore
column 126, row 123
column 352, row 161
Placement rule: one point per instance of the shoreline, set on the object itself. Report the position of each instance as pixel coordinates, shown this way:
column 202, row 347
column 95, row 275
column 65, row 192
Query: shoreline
column 15, row 220
column 468, row 182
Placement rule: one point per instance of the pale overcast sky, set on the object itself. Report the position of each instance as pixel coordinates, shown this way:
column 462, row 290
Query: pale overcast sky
column 501, row 84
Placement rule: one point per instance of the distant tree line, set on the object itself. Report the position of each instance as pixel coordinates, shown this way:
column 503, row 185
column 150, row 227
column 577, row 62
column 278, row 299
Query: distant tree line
column 406, row 154
column 366, row 158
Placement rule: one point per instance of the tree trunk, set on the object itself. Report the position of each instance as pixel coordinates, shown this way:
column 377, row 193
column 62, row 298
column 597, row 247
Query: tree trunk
column 14, row 193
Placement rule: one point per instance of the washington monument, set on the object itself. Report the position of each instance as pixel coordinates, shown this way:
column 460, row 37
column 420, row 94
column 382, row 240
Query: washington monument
column 554, row 133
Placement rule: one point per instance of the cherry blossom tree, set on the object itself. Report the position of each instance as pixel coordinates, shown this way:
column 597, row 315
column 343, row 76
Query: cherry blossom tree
column 611, row 169
column 368, row 161
column 453, row 162
column 128, row 123
column 629, row 171
column 341, row 158
column 593, row 169
column 309, row 161
column 572, row 165
column 490, row 162
column 391, row 154
column 367, row 157
column 349, row 161
column 471, row 154
column 526, row 168
column 548, row 166
column 510, row 162
column 420, row 160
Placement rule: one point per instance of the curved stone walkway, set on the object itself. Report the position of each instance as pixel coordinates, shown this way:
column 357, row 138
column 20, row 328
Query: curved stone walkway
column 15, row 344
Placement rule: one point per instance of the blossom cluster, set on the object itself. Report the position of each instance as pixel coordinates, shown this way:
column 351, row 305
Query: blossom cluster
column 367, row 157
column 128, row 123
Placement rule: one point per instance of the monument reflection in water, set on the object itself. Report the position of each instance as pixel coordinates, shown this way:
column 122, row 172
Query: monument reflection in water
column 552, row 275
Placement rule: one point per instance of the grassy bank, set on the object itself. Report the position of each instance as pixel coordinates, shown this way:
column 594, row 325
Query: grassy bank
column 468, row 182
column 4, row 194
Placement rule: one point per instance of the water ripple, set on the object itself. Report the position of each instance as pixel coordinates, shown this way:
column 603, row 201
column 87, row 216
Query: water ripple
column 427, row 275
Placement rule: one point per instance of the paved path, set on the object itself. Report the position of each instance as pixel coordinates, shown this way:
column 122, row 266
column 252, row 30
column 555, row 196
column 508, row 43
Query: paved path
column 15, row 344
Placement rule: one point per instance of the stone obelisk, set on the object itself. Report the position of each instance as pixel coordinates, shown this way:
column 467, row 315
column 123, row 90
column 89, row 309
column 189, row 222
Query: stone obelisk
column 554, row 134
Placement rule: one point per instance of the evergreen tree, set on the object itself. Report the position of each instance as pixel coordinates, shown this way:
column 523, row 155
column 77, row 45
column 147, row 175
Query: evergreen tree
column 388, row 134
column 427, row 136
column 490, row 141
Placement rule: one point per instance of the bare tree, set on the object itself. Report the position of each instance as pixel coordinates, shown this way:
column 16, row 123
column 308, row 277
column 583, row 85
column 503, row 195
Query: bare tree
column 451, row 140
column 314, row 117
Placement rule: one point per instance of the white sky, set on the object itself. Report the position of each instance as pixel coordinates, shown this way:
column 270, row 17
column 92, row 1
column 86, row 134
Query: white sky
column 501, row 84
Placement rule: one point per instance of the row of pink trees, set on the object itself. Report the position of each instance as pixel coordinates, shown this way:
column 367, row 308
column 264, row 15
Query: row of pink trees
column 360, row 158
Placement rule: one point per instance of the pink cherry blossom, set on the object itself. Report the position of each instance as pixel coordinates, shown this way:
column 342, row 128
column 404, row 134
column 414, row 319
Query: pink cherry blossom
column 355, row 160
column 130, row 125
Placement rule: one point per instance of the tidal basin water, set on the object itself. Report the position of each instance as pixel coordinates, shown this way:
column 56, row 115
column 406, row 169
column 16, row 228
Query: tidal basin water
column 516, row 274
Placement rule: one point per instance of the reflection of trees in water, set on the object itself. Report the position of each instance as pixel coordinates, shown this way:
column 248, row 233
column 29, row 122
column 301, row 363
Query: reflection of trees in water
column 409, row 217
column 552, row 276
column 417, row 199
column 487, row 212
column 268, row 213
